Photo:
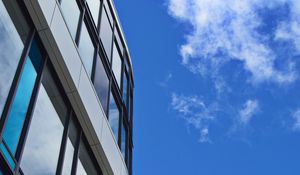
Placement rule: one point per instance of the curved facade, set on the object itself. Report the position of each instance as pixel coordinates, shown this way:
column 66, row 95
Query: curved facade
column 66, row 89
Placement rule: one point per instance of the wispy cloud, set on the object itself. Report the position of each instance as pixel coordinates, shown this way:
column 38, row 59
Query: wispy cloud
column 195, row 113
column 228, row 30
column 165, row 81
column 249, row 109
column 296, row 117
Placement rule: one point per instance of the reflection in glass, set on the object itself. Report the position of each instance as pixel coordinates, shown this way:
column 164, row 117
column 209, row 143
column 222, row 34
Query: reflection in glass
column 123, row 141
column 19, row 107
column 113, row 117
column 67, row 167
column 80, row 170
column 71, row 16
column 117, row 64
column 101, row 83
column 44, row 137
column 68, row 159
column 18, row 111
column 11, row 46
column 125, row 89
column 106, row 34
column 86, row 49
column 85, row 163
column 94, row 6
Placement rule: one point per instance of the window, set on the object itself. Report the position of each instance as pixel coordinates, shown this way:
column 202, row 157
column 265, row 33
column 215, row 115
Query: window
column 85, row 165
column 125, row 89
column 94, row 6
column 114, row 116
column 117, row 64
column 42, row 146
column 19, row 106
column 71, row 16
column 124, row 140
column 86, row 49
column 70, row 148
column 106, row 33
column 101, row 83
column 11, row 46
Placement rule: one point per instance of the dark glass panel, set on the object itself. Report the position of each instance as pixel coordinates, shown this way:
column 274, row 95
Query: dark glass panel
column 86, row 49
column 101, row 83
column 71, row 14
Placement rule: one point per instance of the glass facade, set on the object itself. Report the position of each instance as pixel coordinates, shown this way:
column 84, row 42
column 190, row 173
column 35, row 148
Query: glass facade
column 40, row 132
column 94, row 6
column 106, row 33
column 114, row 116
column 117, row 64
column 71, row 16
column 101, row 83
column 86, row 49
column 11, row 47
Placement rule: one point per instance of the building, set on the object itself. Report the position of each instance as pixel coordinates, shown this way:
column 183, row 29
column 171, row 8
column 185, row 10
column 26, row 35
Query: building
column 66, row 89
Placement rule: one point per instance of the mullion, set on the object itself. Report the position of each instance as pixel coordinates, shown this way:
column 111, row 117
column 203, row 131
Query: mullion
column 64, row 143
column 76, row 153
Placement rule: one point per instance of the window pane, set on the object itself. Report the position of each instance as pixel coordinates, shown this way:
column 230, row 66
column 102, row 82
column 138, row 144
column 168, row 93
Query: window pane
column 71, row 141
column 42, row 146
column 125, row 89
column 18, row 111
column 106, row 34
column 71, row 16
column 117, row 64
column 11, row 46
column 44, row 138
column 86, row 49
column 123, row 141
column 114, row 115
column 94, row 6
column 85, row 163
column 101, row 84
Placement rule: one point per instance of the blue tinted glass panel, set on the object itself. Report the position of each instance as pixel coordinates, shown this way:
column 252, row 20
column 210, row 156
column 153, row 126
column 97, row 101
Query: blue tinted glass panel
column 19, row 107
column 114, row 116
column 86, row 49
column 7, row 156
column 101, row 83
column 71, row 14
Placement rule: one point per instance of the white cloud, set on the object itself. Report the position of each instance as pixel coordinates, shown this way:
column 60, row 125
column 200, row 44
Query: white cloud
column 230, row 28
column 166, row 80
column 195, row 113
column 247, row 112
column 296, row 117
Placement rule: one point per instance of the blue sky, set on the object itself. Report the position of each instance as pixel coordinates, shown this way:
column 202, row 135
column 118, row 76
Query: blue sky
column 216, row 86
